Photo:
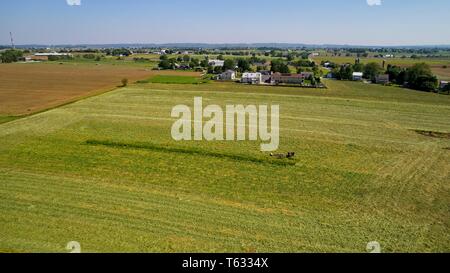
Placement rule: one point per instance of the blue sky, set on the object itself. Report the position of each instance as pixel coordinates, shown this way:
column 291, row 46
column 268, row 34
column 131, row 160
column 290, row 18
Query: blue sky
column 385, row 22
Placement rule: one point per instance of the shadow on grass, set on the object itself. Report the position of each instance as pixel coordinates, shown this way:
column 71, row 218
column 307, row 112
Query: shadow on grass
column 433, row 134
column 190, row 151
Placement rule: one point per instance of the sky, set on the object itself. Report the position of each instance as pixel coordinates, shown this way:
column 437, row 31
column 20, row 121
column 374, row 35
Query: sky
column 352, row 22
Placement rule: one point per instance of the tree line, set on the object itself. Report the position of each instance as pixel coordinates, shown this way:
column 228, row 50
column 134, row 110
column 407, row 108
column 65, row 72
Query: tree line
column 418, row 77
column 11, row 56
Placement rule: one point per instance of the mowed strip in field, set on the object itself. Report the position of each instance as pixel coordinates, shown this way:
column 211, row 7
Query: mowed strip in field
column 105, row 172
column 29, row 88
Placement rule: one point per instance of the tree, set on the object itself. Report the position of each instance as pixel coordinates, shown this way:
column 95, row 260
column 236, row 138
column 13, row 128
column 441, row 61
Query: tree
column 243, row 65
column 336, row 73
column 194, row 62
column 186, row 58
column 220, row 57
column 426, row 83
column 305, row 55
column 417, row 70
column 229, row 64
column 121, row 52
column 279, row 66
column 346, row 72
column 420, row 77
column 204, row 63
column 290, row 57
column 167, row 64
column 11, row 55
column 358, row 67
column 394, row 73
column 372, row 71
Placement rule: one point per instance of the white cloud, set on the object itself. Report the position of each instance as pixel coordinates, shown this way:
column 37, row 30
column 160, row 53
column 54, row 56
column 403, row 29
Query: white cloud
column 73, row 2
column 374, row 2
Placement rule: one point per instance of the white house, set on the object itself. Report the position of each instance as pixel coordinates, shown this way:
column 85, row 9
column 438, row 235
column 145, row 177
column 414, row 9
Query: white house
column 228, row 75
column 358, row 76
column 251, row 78
column 216, row 63
column 443, row 84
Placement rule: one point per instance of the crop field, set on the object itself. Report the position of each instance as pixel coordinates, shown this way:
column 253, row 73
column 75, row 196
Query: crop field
column 104, row 171
column 29, row 88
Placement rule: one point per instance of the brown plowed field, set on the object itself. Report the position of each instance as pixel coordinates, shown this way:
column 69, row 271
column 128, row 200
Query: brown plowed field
column 29, row 88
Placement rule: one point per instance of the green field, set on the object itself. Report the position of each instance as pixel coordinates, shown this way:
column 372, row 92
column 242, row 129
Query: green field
column 169, row 79
column 105, row 172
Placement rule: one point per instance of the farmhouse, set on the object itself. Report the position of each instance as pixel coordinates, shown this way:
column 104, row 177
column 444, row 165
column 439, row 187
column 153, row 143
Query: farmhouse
column 382, row 79
column 358, row 76
column 228, row 75
column 280, row 78
column 216, row 63
column 266, row 76
column 443, row 84
column 251, row 78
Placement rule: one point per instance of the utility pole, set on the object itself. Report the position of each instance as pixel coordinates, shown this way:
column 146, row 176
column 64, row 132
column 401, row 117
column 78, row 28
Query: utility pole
column 12, row 40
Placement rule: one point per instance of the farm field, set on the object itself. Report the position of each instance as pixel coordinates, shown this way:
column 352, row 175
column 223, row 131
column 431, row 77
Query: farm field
column 30, row 88
column 437, row 65
column 105, row 172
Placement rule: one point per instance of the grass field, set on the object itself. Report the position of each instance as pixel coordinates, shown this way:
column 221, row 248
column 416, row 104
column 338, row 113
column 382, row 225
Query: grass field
column 30, row 88
column 105, row 172
column 172, row 79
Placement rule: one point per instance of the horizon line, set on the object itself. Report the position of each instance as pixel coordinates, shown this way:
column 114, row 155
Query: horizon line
column 230, row 44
